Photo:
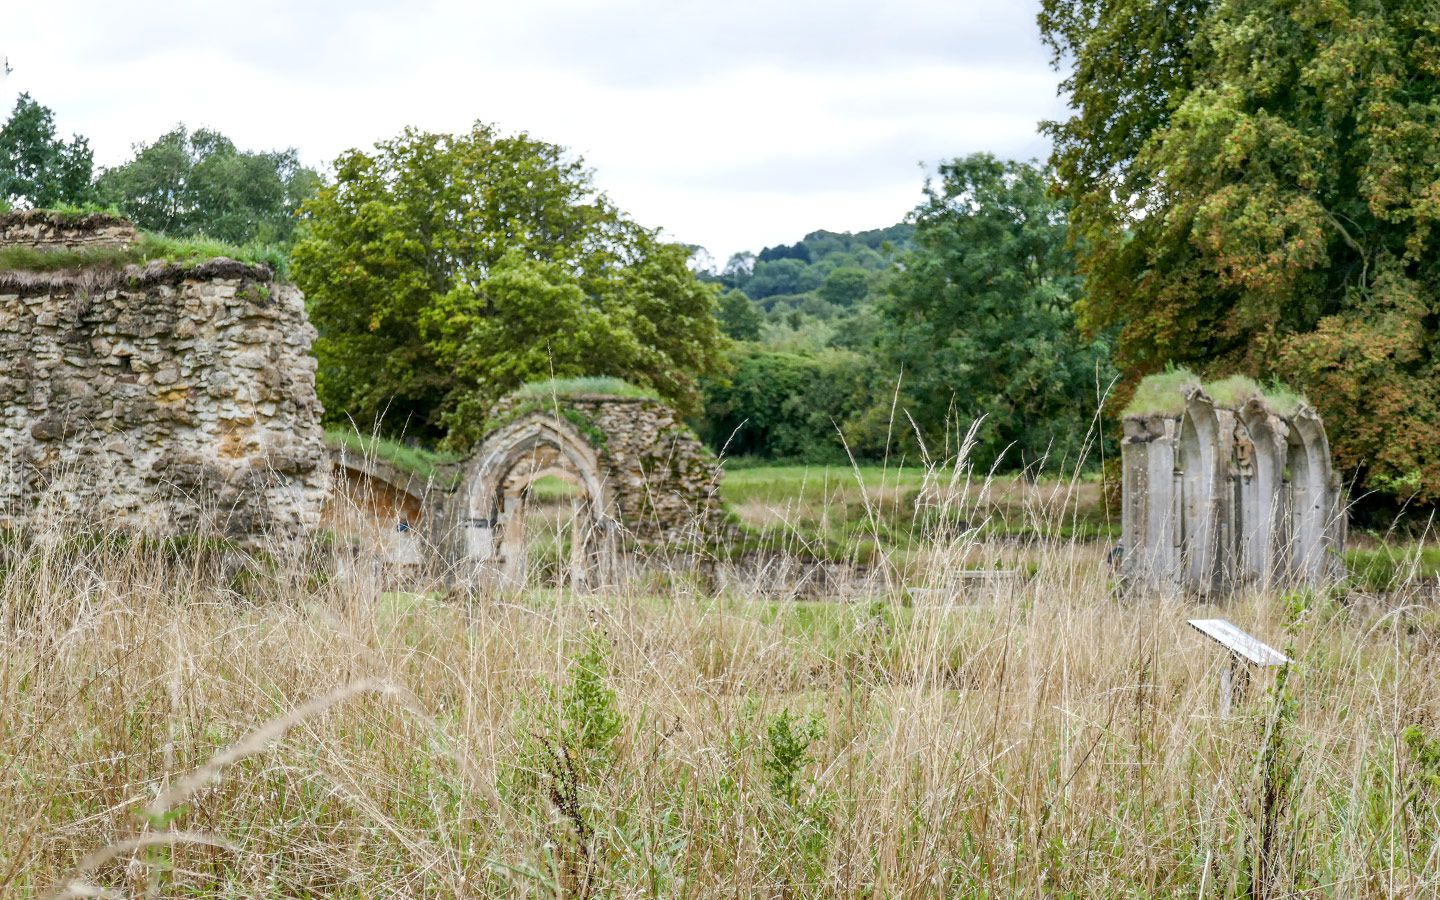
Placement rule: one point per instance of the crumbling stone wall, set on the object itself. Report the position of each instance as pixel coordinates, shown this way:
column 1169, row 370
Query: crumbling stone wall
column 1216, row 498
column 644, row 480
column 160, row 398
column 45, row 230
column 662, row 482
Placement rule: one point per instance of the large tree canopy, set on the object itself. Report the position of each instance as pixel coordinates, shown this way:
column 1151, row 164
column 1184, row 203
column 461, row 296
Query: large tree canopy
column 37, row 168
column 197, row 183
column 981, row 319
column 444, row 271
column 1256, row 188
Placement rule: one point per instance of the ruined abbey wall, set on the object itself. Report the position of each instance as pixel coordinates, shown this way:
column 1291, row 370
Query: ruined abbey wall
column 1219, row 498
column 166, row 399
column 662, row 481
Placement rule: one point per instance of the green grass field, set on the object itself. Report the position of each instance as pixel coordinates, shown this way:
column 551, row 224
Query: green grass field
column 853, row 513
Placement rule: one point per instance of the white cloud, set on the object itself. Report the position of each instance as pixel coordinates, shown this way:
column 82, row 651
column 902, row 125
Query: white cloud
column 733, row 126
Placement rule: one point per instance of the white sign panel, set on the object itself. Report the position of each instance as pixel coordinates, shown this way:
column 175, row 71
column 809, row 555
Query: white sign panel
column 1238, row 642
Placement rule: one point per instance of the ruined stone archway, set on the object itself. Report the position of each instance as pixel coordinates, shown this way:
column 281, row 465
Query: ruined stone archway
column 1259, row 465
column 1308, row 474
column 1197, row 471
column 511, row 460
column 1251, row 497
column 388, row 509
column 643, row 481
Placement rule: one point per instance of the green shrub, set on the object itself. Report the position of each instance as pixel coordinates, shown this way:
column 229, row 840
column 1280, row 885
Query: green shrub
column 589, row 709
column 787, row 751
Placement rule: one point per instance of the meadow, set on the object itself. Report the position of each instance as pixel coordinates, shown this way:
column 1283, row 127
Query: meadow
column 185, row 721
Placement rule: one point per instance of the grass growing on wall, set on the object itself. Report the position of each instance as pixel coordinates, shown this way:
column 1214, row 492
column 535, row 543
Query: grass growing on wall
column 1164, row 394
column 423, row 464
column 184, row 252
column 578, row 387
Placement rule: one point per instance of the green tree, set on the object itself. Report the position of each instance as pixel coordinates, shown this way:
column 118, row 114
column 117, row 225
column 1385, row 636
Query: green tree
column 1254, row 189
column 781, row 276
column 846, row 287
column 444, row 271
column 37, row 168
column 779, row 405
column 739, row 318
column 198, row 183
column 982, row 318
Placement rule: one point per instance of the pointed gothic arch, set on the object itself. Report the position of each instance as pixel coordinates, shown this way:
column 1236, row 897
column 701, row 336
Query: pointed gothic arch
column 1259, row 465
column 1197, row 470
column 498, row 484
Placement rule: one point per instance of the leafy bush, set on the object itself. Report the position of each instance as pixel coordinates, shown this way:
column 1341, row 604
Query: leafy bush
column 589, row 709
column 787, row 750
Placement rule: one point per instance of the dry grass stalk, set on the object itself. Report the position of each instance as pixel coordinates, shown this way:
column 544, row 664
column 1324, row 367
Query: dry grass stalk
column 1042, row 738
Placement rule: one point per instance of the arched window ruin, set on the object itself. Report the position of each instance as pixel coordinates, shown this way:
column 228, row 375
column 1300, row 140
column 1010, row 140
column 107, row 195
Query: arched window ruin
column 1251, row 497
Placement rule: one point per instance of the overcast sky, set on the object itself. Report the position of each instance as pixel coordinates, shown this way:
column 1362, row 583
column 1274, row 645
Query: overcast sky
column 733, row 125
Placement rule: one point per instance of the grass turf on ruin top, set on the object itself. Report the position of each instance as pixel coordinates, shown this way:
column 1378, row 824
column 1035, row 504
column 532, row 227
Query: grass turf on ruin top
column 182, row 252
column 603, row 385
column 423, row 463
column 1164, row 394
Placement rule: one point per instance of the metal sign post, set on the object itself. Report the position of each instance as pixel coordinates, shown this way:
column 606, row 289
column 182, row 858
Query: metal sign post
column 1243, row 648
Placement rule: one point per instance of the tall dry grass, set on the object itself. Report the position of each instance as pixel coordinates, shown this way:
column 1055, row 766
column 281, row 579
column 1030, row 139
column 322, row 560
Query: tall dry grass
column 189, row 722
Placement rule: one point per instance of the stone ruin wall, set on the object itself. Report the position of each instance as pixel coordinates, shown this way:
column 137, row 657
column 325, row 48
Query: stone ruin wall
column 664, row 481
column 1215, row 499
column 43, row 230
column 164, row 399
